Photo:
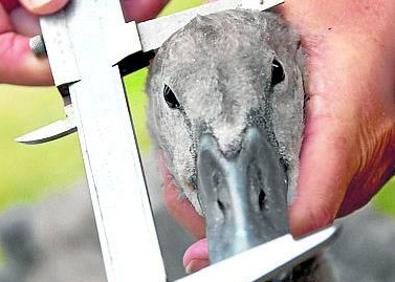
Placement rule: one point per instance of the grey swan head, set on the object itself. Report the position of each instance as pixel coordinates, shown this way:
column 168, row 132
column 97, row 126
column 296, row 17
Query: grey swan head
column 226, row 108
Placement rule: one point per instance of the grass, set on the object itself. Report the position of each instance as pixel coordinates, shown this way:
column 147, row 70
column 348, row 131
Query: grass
column 385, row 200
column 28, row 173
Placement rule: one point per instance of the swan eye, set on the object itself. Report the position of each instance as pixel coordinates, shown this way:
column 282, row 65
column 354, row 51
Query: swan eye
column 170, row 98
column 278, row 74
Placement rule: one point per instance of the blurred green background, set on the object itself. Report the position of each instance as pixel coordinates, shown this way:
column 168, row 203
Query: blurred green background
column 29, row 173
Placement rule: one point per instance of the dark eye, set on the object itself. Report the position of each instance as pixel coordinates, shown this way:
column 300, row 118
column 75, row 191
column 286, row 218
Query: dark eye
column 278, row 74
column 170, row 98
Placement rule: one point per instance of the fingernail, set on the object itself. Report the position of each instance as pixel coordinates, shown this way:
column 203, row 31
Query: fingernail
column 43, row 7
column 36, row 3
column 196, row 265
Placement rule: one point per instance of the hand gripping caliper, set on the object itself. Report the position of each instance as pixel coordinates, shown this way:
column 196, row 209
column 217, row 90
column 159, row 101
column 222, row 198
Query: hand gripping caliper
column 90, row 48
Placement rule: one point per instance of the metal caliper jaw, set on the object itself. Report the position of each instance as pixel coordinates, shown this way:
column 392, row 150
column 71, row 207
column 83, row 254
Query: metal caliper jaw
column 268, row 260
column 55, row 130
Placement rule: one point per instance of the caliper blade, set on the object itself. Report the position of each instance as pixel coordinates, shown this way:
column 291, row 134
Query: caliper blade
column 266, row 261
column 53, row 131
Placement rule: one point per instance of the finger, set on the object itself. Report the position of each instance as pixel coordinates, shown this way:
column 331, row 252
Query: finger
column 9, row 5
column 196, row 256
column 24, row 23
column 323, row 180
column 18, row 64
column 328, row 159
column 141, row 10
column 43, row 7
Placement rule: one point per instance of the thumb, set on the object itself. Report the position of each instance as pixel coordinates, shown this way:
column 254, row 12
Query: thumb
column 141, row 10
column 43, row 7
column 329, row 157
column 324, row 177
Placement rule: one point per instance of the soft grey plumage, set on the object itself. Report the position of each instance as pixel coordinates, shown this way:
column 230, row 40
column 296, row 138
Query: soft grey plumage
column 226, row 108
column 219, row 67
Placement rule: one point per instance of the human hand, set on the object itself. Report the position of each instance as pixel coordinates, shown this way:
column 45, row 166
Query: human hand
column 19, row 22
column 349, row 142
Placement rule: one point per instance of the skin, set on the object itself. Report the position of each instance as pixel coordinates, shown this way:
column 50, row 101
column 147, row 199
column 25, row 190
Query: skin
column 350, row 112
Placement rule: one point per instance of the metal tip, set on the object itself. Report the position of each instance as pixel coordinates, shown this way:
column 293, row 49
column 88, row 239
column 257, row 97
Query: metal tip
column 37, row 45
column 48, row 133
column 22, row 140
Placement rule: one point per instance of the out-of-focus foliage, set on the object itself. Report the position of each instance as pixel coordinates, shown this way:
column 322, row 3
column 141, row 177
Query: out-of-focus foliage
column 179, row 5
column 385, row 200
column 2, row 257
column 26, row 172
column 29, row 172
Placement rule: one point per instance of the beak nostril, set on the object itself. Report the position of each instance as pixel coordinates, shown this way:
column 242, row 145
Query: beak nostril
column 221, row 206
column 261, row 199
column 257, row 186
column 216, row 179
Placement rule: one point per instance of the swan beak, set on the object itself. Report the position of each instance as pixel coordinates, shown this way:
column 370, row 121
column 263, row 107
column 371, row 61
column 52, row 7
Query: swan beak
column 243, row 194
